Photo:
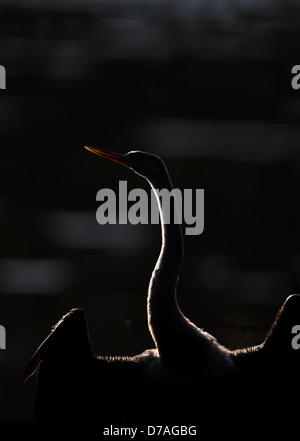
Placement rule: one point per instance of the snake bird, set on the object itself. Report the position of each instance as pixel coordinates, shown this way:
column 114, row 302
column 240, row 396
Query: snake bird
column 187, row 376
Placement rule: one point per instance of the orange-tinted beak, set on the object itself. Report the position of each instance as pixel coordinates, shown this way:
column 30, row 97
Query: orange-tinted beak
column 117, row 157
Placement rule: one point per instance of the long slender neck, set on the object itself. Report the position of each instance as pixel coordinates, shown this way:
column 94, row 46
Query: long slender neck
column 164, row 315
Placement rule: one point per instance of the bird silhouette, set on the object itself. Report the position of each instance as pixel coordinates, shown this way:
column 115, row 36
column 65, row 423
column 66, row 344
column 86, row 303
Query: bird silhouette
column 187, row 376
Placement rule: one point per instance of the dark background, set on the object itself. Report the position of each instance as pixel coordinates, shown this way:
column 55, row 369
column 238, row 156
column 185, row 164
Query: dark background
column 207, row 86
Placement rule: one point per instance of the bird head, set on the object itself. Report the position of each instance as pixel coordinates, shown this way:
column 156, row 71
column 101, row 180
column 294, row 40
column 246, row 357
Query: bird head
column 144, row 164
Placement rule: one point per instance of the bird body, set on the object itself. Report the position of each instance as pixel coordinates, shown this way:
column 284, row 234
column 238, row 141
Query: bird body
column 187, row 376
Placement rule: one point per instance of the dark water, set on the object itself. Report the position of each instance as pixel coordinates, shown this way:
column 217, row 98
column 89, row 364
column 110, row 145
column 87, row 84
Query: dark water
column 207, row 88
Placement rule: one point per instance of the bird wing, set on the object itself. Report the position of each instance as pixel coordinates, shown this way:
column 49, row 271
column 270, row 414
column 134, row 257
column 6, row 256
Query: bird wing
column 69, row 334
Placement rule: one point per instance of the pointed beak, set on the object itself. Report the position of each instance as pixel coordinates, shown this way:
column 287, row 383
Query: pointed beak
column 121, row 159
